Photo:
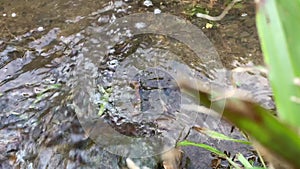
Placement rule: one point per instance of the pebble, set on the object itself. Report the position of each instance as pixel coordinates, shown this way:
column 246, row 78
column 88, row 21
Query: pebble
column 157, row 11
column 40, row 29
column 113, row 64
column 103, row 19
column 13, row 15
column 140, row 25
column 244, row 14
column 148, row 3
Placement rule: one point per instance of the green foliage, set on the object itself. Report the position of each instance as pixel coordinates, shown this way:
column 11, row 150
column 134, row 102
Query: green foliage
column 193, row 10
column 277, row 22
column 105, row 94
column 44, row 93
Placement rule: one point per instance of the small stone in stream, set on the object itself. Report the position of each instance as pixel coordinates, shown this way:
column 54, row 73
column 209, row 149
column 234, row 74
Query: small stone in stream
column 140, row 25
column 244, row 14
column 75, row 138
column 113, row 64
column 36, row 132
column 2, row 158
column 148, row 3
column 157, row 11
column 12, row 147
column 103, row 19
column 40, row 29
column 118, row 4
column 30, row 150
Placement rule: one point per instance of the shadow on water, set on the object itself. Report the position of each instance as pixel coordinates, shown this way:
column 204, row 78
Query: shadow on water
column 41, row 45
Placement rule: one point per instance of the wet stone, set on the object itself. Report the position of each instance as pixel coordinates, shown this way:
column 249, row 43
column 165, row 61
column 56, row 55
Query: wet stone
column 57, row 161
column 157, row 88
column 36, row 132
column 148, row 3
column 29, row 151
column 12, row 147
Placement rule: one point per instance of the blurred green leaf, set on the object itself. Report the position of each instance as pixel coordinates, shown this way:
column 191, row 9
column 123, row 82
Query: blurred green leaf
column 278, row 28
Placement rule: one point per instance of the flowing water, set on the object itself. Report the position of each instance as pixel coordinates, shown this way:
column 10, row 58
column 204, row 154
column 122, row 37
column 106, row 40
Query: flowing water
column 70, row 79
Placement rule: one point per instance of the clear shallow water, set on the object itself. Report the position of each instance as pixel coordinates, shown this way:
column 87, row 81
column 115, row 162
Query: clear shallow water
column 37, row 83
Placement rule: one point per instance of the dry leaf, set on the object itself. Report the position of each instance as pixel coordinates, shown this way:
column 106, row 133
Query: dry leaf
column 172, row 159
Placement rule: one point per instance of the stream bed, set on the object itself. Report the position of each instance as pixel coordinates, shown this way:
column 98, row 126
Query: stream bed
column 74, row 83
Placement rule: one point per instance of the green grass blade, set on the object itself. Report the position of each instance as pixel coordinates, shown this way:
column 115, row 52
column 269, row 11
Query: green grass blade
column 204, row 146
column 235, row 165
column 219, row 136
column 244, row 161
column 278, row 28
column 211, row 149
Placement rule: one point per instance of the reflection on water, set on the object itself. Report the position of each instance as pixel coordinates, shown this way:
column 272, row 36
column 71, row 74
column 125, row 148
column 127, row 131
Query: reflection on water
column 40, row 49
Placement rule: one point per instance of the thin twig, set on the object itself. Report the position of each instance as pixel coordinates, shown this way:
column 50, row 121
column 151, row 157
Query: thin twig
column 221, row 16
